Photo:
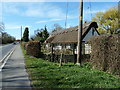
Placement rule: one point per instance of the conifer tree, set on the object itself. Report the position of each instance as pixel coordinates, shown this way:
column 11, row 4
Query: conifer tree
column 26, row 35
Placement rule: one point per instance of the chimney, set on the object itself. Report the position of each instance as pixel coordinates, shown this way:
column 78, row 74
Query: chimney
column 85, row 22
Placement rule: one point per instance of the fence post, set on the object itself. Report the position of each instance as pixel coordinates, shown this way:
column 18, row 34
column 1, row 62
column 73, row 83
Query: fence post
column 52, row 59
column 74, row 53
column 61, row 57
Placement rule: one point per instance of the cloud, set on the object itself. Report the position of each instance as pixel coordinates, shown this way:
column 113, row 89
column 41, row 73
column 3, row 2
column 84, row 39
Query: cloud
column 24, row 0
column 11, row 8
column 0, row 12
column 40, row 10
column 44, row 10
column 53, row 20
column 59, row 0
column 44, row 21
column 33, row 13
column 14, row 26
column 1, row 18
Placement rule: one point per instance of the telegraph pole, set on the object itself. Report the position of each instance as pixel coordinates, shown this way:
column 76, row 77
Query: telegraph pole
column 21, row 33
column 79, row 53
column 118, row 15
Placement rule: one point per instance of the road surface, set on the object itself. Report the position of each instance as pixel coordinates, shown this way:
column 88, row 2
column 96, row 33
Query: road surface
column 14, row 73
column 5, row 49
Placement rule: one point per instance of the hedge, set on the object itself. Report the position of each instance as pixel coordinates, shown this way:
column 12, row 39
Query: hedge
column 33, row 48
column 106, row 53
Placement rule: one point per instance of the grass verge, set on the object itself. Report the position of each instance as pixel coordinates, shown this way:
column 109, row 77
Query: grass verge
column 45, row 74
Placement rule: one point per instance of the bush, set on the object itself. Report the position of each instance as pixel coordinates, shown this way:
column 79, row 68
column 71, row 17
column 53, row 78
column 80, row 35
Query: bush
column 106, row 53
column 33, row 48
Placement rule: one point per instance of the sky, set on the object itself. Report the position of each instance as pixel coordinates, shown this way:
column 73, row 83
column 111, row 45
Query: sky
column 36, row 15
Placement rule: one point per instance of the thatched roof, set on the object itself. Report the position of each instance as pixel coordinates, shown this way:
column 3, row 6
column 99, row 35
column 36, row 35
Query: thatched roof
column 70, row 35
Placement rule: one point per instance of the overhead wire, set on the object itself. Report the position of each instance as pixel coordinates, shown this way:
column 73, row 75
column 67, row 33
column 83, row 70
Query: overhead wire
column 66, row 14
column 90, row 9
column 91, row 16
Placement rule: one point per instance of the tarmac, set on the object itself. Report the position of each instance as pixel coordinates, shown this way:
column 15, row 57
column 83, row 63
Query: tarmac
column 14, row 74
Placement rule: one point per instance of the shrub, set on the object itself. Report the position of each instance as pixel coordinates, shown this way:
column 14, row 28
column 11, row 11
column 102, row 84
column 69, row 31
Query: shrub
column 33, row 48
column 106, row 53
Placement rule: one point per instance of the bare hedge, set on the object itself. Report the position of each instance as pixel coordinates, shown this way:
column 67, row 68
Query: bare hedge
column 106, row 53
column 33, row 48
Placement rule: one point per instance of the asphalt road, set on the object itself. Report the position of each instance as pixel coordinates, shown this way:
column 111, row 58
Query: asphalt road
column 5, row 49
column 14, row 74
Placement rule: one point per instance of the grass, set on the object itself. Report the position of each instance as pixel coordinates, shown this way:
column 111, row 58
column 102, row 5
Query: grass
column 45, row 74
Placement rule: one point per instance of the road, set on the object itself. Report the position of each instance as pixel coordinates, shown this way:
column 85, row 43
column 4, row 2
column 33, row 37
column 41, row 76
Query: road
column 5, row 49
column 14, row 74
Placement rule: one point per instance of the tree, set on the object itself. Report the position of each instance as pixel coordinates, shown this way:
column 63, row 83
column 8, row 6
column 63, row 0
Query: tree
column 107, row 21
column 45, row 33
column 26, row 35
column 6, row 38
column 41, row 35
column 2, row 27
column 56, row 28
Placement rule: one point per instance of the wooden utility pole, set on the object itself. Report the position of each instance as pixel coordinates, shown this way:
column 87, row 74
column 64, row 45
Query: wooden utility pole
column 119, row 14
column 79, row 53
column 52, row 58
column 21, row 33
column 74, row 52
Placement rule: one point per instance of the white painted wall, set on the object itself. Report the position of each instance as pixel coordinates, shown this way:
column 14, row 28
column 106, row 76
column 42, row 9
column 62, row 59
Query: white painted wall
column 87, row 48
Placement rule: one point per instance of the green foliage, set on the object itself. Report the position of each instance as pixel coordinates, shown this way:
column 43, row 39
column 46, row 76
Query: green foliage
column 45, row 33
column 6, row 38
column 26, row 35
column 42, row 35
column 87, row 65
column 44, row 74
column 107, row 21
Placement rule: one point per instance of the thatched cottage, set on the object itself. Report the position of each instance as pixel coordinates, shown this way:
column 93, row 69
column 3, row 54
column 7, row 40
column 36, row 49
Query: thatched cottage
column 65, row 42
column 69, row 36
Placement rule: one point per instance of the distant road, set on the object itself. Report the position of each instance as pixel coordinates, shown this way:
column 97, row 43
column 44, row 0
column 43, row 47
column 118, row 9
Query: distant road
column 5, row 49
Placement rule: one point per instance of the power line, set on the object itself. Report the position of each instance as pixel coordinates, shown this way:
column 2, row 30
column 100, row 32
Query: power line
column 66, row 15
column 91, row 10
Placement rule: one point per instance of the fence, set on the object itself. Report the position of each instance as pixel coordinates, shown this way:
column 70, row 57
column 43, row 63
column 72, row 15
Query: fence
column 66, row 58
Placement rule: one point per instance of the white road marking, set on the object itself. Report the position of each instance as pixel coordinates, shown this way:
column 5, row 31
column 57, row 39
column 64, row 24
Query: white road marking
column 6, row 58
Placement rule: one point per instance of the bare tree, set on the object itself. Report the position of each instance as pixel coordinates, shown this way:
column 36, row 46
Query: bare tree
column 2, row 27
column 56, row 28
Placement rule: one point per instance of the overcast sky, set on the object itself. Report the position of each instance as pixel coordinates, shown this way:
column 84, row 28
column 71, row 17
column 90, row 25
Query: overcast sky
column 38, row 14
